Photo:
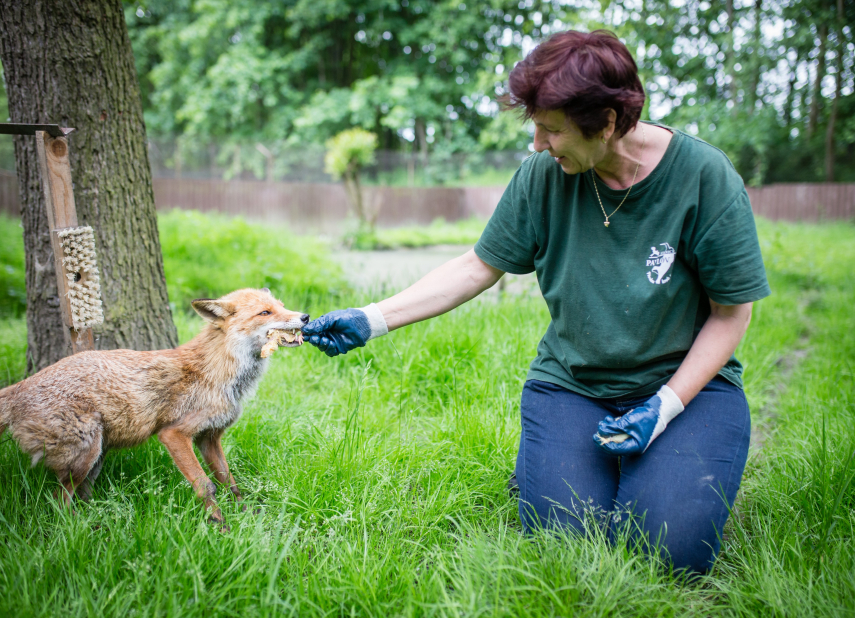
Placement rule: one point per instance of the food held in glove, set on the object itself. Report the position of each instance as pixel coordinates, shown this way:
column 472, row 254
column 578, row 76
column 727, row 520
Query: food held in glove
column 617, row 438
column 281, row 338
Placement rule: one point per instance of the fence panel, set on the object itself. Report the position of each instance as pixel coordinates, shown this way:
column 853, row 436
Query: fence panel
column 804, row 201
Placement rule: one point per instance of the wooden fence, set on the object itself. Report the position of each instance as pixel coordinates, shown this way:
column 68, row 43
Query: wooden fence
column 309, row 206
column 804, row 201
column 322, row 206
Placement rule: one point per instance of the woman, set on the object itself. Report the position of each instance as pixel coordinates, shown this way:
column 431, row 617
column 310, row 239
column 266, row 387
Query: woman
column 647, row 256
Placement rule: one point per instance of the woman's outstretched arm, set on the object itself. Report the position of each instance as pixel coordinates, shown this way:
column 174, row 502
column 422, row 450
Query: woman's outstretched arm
column 444, row 288
column 441, row 290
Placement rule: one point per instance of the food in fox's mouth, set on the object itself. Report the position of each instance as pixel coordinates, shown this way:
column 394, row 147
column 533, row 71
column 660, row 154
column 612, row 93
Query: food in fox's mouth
column 278, row 337
column 617, row 439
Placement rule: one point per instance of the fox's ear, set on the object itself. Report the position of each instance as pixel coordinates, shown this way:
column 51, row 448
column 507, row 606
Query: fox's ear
column 265, row 290
column 213, row 310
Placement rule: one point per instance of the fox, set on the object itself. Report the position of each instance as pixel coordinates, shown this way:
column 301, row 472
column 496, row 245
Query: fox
column 70, row 414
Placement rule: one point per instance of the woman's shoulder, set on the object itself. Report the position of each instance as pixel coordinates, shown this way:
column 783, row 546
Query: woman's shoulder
column 700, row 161
column 538, row 170
column 537, row 163
column 701, row 154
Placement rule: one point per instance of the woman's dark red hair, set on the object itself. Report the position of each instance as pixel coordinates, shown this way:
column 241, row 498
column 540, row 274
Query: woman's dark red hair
column 583, row 74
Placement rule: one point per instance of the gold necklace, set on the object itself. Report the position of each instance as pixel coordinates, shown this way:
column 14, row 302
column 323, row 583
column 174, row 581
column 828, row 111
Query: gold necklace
column 594, row 178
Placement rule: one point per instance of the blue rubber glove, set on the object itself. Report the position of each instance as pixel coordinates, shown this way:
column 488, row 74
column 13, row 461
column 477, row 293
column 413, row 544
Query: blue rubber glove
column 339, row 332
column 633, row 432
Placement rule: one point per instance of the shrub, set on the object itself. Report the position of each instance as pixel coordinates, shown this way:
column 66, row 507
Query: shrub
column 347, row 154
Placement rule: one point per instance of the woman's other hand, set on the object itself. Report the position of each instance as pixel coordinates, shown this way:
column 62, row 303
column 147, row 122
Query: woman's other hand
column 633, row 432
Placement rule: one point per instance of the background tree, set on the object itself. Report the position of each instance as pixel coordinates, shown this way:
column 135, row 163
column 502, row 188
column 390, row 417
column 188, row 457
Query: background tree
column 418, row 73
column 758, row 78
column 755, row 78
column 71, row 63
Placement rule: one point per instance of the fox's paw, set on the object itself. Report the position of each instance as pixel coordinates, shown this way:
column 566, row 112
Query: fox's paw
column 216, row 520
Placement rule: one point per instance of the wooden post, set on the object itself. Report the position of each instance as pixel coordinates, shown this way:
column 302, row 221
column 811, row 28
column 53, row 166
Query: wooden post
column 59, row 200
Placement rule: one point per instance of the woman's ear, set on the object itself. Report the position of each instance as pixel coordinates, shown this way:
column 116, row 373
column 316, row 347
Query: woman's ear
column 213, row 310
column 611, row 116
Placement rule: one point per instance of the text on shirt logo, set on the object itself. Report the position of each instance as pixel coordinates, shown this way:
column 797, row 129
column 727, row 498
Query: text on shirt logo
column 660, row 263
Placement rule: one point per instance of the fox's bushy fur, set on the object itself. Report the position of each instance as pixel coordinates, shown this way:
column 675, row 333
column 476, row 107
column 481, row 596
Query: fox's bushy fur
column 70, row 414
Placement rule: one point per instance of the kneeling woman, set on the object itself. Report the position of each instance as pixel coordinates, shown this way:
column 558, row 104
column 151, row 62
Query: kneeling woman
column 646, row 252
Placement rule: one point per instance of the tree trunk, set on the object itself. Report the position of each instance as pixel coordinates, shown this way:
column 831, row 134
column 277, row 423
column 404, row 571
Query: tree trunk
column 421, row 137
column 71, row 63
column 730, row 57
column 756, row 58
column 816, row 95
column 838, row 85
column 791, row 92
column 354, row 193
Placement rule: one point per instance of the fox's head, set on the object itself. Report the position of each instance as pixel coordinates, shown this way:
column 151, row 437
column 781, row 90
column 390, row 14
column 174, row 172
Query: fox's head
column 247, row 316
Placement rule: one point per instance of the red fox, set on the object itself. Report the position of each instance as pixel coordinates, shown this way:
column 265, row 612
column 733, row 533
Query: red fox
column 71, row 413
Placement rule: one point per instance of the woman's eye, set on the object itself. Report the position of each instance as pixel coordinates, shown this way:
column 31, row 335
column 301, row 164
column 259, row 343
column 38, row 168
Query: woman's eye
column 264, row 313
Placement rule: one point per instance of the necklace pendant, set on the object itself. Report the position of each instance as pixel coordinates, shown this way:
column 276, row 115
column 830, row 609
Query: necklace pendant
column 606, row 223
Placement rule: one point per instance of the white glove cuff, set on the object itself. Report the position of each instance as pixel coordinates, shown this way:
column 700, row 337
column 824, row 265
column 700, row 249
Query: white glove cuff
column 671, row 404
column 671, row 407
column 376, row 321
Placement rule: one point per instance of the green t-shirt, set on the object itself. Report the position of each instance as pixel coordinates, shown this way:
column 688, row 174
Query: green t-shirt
column 627, row 301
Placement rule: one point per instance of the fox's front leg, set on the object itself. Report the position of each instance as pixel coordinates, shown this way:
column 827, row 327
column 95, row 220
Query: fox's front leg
column 180, row 446
column 211, row 447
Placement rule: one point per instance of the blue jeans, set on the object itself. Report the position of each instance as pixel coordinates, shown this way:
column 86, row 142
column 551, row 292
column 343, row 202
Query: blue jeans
column 679, row 491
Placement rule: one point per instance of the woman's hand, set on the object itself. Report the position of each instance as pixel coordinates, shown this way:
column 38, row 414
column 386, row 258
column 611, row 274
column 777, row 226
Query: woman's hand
column 339, row 332
column 633, row 432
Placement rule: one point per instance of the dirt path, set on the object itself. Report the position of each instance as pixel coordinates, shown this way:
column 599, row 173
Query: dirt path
column 387, row 272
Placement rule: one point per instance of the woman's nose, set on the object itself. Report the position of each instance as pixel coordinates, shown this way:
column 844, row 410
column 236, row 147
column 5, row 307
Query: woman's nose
column 540, row 144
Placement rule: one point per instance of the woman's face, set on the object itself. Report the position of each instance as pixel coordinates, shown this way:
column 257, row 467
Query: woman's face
column 560, row 136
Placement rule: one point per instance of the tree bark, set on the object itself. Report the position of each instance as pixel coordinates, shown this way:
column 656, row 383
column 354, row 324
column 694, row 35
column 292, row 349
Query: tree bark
column 71, row 63
column 730, row 57
column 816, row 95
column 791, row 92
column 756, row 58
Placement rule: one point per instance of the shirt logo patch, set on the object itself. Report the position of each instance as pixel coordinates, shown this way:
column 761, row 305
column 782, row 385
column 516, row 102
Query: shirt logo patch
column 660, row 263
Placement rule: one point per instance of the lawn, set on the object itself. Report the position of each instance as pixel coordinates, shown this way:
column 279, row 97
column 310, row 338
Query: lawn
column 380, row 476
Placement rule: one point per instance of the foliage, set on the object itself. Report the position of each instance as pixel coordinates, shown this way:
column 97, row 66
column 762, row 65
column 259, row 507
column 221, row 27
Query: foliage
column 380, row 478
column 305, row 71
column 746, row 80
column 760, row 81
column 206, row 256
column 349, row 151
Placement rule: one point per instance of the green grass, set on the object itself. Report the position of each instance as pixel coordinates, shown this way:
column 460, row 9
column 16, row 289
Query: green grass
column 210, row 255
column 381, row 481
column 440, row 232
column 13, row 294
